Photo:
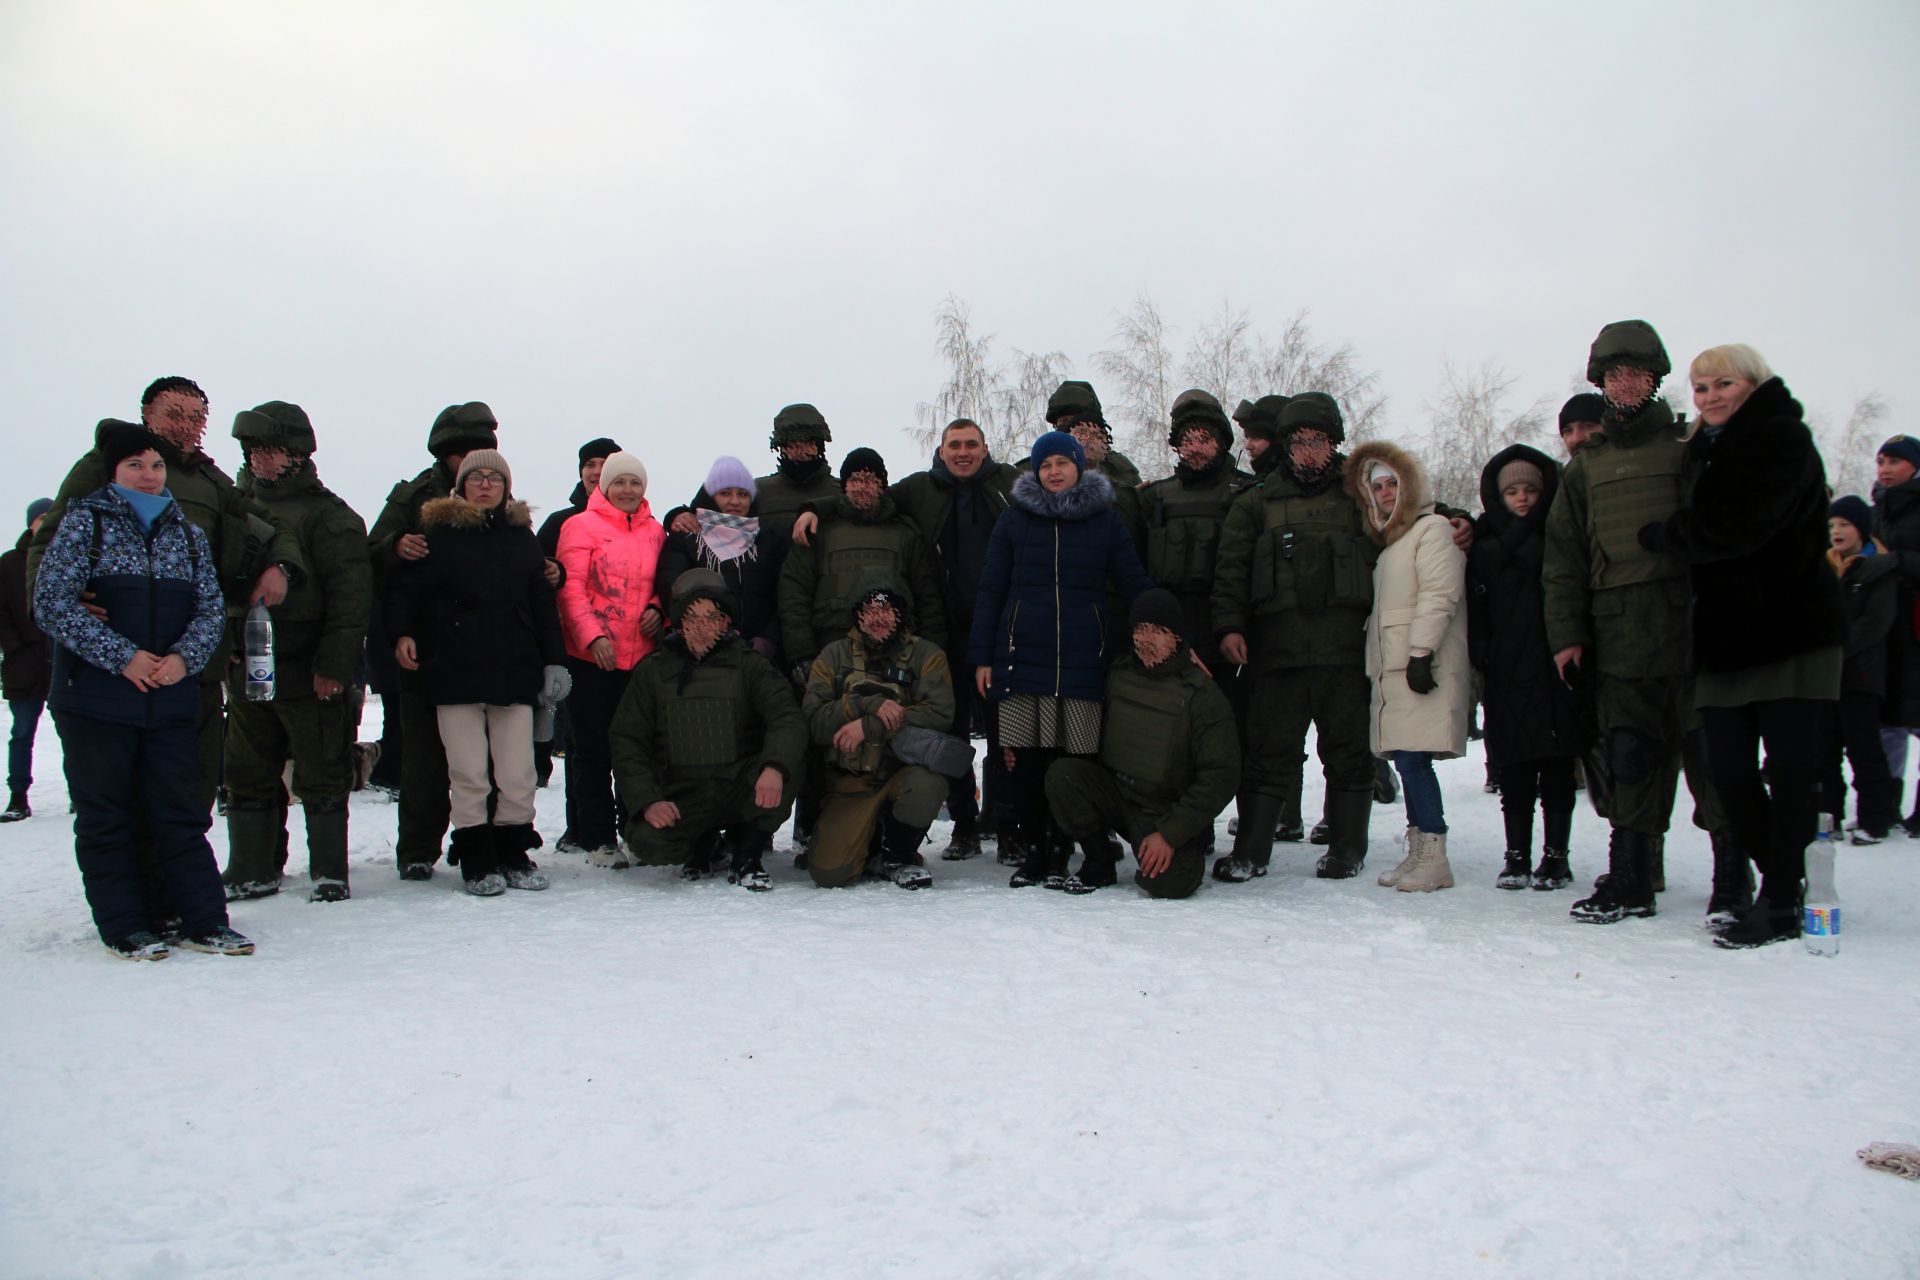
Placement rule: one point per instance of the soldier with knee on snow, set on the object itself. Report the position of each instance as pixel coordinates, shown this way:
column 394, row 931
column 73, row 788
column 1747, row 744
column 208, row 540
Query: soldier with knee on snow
column 707, row 743
column 317, row 634
column 1169, row 762
column 863, row 691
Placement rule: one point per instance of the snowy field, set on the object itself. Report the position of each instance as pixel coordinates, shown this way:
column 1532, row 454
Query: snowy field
column 628, row 1076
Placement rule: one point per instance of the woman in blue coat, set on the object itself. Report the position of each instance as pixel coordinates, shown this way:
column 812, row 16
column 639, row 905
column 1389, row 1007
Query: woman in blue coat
column 124, row 699
column 1039, row 644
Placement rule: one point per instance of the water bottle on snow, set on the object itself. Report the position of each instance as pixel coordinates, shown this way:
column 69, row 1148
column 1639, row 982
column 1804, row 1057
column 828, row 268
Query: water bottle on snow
column 259, row 657
column 1821, row 920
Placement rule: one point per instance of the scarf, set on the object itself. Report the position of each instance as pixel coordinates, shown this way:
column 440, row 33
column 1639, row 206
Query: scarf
column 146, row 506
column 725, row 538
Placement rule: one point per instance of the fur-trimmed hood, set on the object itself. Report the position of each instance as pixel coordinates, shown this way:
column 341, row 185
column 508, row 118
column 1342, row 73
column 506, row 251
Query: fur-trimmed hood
column 1416, row 496
column 458, row 513
column 1090, row 497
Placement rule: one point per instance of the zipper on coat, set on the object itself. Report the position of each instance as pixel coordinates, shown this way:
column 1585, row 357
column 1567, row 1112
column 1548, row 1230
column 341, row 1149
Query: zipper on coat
column 1056, row 608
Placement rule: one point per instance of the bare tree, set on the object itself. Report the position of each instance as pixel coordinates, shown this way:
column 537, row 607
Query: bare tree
column 1000, row 396
column 1849, row 451
column 1138, row 371
column 1469, row 423
column 1295, row 362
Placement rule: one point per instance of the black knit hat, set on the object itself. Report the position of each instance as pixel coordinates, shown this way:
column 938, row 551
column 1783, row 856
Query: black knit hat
column 1854, row 510
column 1158, row 607
column 124, row 440
column 1585, row 407
column 600, row 448
column 864, row 459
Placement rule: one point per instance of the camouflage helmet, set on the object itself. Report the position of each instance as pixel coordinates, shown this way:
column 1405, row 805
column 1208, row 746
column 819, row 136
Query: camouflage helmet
column 1197, row 408
column 1261, row 417
column 1076, row 399
column 275, row 423
column 1627, row 342
column 462, row 428
column 798, row 422
column 1315, row 409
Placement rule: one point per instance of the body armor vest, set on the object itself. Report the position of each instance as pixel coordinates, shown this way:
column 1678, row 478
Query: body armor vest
column 1146, row 728
column 1628, row 488
column 874, row 676
column 848, row 549
column 1183, row 531
column 708, row 722
column 1313, row 554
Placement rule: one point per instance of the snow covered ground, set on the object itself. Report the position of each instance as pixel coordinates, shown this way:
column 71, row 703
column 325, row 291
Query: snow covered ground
column 628, row 1076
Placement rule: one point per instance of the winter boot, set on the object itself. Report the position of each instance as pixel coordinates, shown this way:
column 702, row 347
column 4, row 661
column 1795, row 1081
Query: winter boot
column 1732, row 881
column 1288, row 830
column 747, row 849
column 1430, row 869
column 139, row 945
column 1516, row 874
column 1010, row 849
column 1391, row 876
column 1553, row 871
column 1656, row 855
column 479, row 873
column 1350, row 813
column 16, row 807
column 708, row 851
column 900, row 858
column 1099, row 860
column 220, row 940
column 326, row 818
column 1622, row 891
column 965, row 841
column 1033, row 863
column 1253, row 846
column 1059, row 853
column 1386, row 783
column 1322, row 832
column 1492, row 786
column 252, row 840
column 1763, row 923
column 511, row 846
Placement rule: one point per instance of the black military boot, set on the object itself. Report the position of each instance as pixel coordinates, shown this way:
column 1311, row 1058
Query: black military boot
column 1622, row 891
column 708, row 854
column 1059, row 854
column 746, row 850
column 1035, row 858
column 1289, row 829
column 326, row 820
column 1253, row 846
column 1350, row 813
column 965, row 841
column 1770, row 919
column 17, row 808
column 1732, row 880
column 1099, row 863
column 254, row 833
column 900, row 858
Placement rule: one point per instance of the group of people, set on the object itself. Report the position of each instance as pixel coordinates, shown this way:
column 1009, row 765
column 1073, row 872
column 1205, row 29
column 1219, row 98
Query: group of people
column 829, row 643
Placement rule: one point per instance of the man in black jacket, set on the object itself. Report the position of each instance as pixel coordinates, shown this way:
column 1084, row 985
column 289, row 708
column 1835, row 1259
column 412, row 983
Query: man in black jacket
column 27, row 671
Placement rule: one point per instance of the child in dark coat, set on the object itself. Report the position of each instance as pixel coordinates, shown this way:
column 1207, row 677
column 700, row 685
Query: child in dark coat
column 1869, row 584
column 1532, row 725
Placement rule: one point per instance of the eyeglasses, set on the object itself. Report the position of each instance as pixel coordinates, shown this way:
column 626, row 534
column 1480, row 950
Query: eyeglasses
column 485, row 477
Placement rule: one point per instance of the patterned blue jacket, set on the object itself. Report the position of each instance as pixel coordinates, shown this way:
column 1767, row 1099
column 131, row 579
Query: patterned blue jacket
column 160, row 592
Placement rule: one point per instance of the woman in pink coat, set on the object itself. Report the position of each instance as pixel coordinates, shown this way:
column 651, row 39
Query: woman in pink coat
column 612, row 610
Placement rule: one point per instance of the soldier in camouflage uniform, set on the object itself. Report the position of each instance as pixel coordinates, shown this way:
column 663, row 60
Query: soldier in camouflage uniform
column 707, row 743
column 1169, row 762
column 317, row 632
column 1291, row 597
column 397, row 537
column 1617, row 617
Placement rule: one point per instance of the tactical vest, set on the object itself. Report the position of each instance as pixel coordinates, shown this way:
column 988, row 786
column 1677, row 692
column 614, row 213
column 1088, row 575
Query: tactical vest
column 867, row 678
column 1313, row 554
column 848, row 548
column 1626, row 489
column 708, row 723
column 1145, row 731
column 1183, row 531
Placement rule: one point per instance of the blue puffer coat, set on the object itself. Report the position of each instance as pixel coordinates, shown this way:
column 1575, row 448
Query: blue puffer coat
column 160, row 592
column 1041, row 617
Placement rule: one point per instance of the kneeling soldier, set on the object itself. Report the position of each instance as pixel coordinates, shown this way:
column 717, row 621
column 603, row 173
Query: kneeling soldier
column 1169, row 762
column 861, row 691
column 706, row 743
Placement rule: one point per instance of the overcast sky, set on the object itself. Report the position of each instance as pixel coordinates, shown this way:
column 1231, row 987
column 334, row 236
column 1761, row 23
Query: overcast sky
column 663, row 222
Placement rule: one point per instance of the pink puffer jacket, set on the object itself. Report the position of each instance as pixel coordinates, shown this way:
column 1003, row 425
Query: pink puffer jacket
column 611, row 559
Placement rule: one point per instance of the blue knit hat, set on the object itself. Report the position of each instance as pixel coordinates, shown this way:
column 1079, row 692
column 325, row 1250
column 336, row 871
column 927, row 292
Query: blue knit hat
column 1854, row 510
column 1059, row 444
column 1904, row 447
column 37, row 508
column 729, row 472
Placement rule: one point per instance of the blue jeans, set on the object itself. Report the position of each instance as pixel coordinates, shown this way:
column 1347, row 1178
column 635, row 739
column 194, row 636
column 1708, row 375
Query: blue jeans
column 1421, row 791
column 26, row 718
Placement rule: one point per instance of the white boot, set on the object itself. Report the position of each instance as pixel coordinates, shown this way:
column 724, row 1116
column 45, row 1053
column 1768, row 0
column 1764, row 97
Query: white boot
column 1391, row 877
column 1430, row 870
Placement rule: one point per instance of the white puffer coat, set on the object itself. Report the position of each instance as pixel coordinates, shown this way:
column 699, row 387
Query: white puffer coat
column 1419, row 602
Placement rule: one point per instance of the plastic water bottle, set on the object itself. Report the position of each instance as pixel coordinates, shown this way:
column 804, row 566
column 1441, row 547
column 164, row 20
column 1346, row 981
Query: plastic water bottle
column 259, row 653
column 1821, row 920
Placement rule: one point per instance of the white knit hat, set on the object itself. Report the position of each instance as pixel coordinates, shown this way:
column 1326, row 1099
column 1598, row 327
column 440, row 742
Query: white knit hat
column 622, row 464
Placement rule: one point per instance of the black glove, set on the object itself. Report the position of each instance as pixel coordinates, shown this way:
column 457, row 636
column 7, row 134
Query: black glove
column 1420, row 674
column 1653, row 536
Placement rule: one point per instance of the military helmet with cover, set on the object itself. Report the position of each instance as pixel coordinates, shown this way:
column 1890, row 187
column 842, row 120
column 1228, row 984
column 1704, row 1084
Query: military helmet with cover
column 798, row 422
column 275, row 424
column 1314, row 410
column 462, row 428
column 1197, row 408
column 1627, row 342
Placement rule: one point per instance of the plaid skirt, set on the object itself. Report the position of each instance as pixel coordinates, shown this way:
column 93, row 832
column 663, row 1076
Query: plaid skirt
column 1071, row 725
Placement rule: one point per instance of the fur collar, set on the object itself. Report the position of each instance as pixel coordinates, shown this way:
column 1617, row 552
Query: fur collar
column 1090, row 497
column 458, row 513
column 1416, row 498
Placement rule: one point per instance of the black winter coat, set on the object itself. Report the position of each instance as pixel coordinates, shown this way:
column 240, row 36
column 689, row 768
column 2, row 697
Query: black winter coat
column 1530, row 712
column 1870, row 587
column 28, row 667
column 1754, row 532
column 1896, row 524
column 754, row 581
column 478, row 607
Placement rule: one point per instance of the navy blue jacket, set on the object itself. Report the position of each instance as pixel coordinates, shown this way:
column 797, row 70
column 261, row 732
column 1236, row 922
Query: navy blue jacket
column 1041, row 617
column 161, row 595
